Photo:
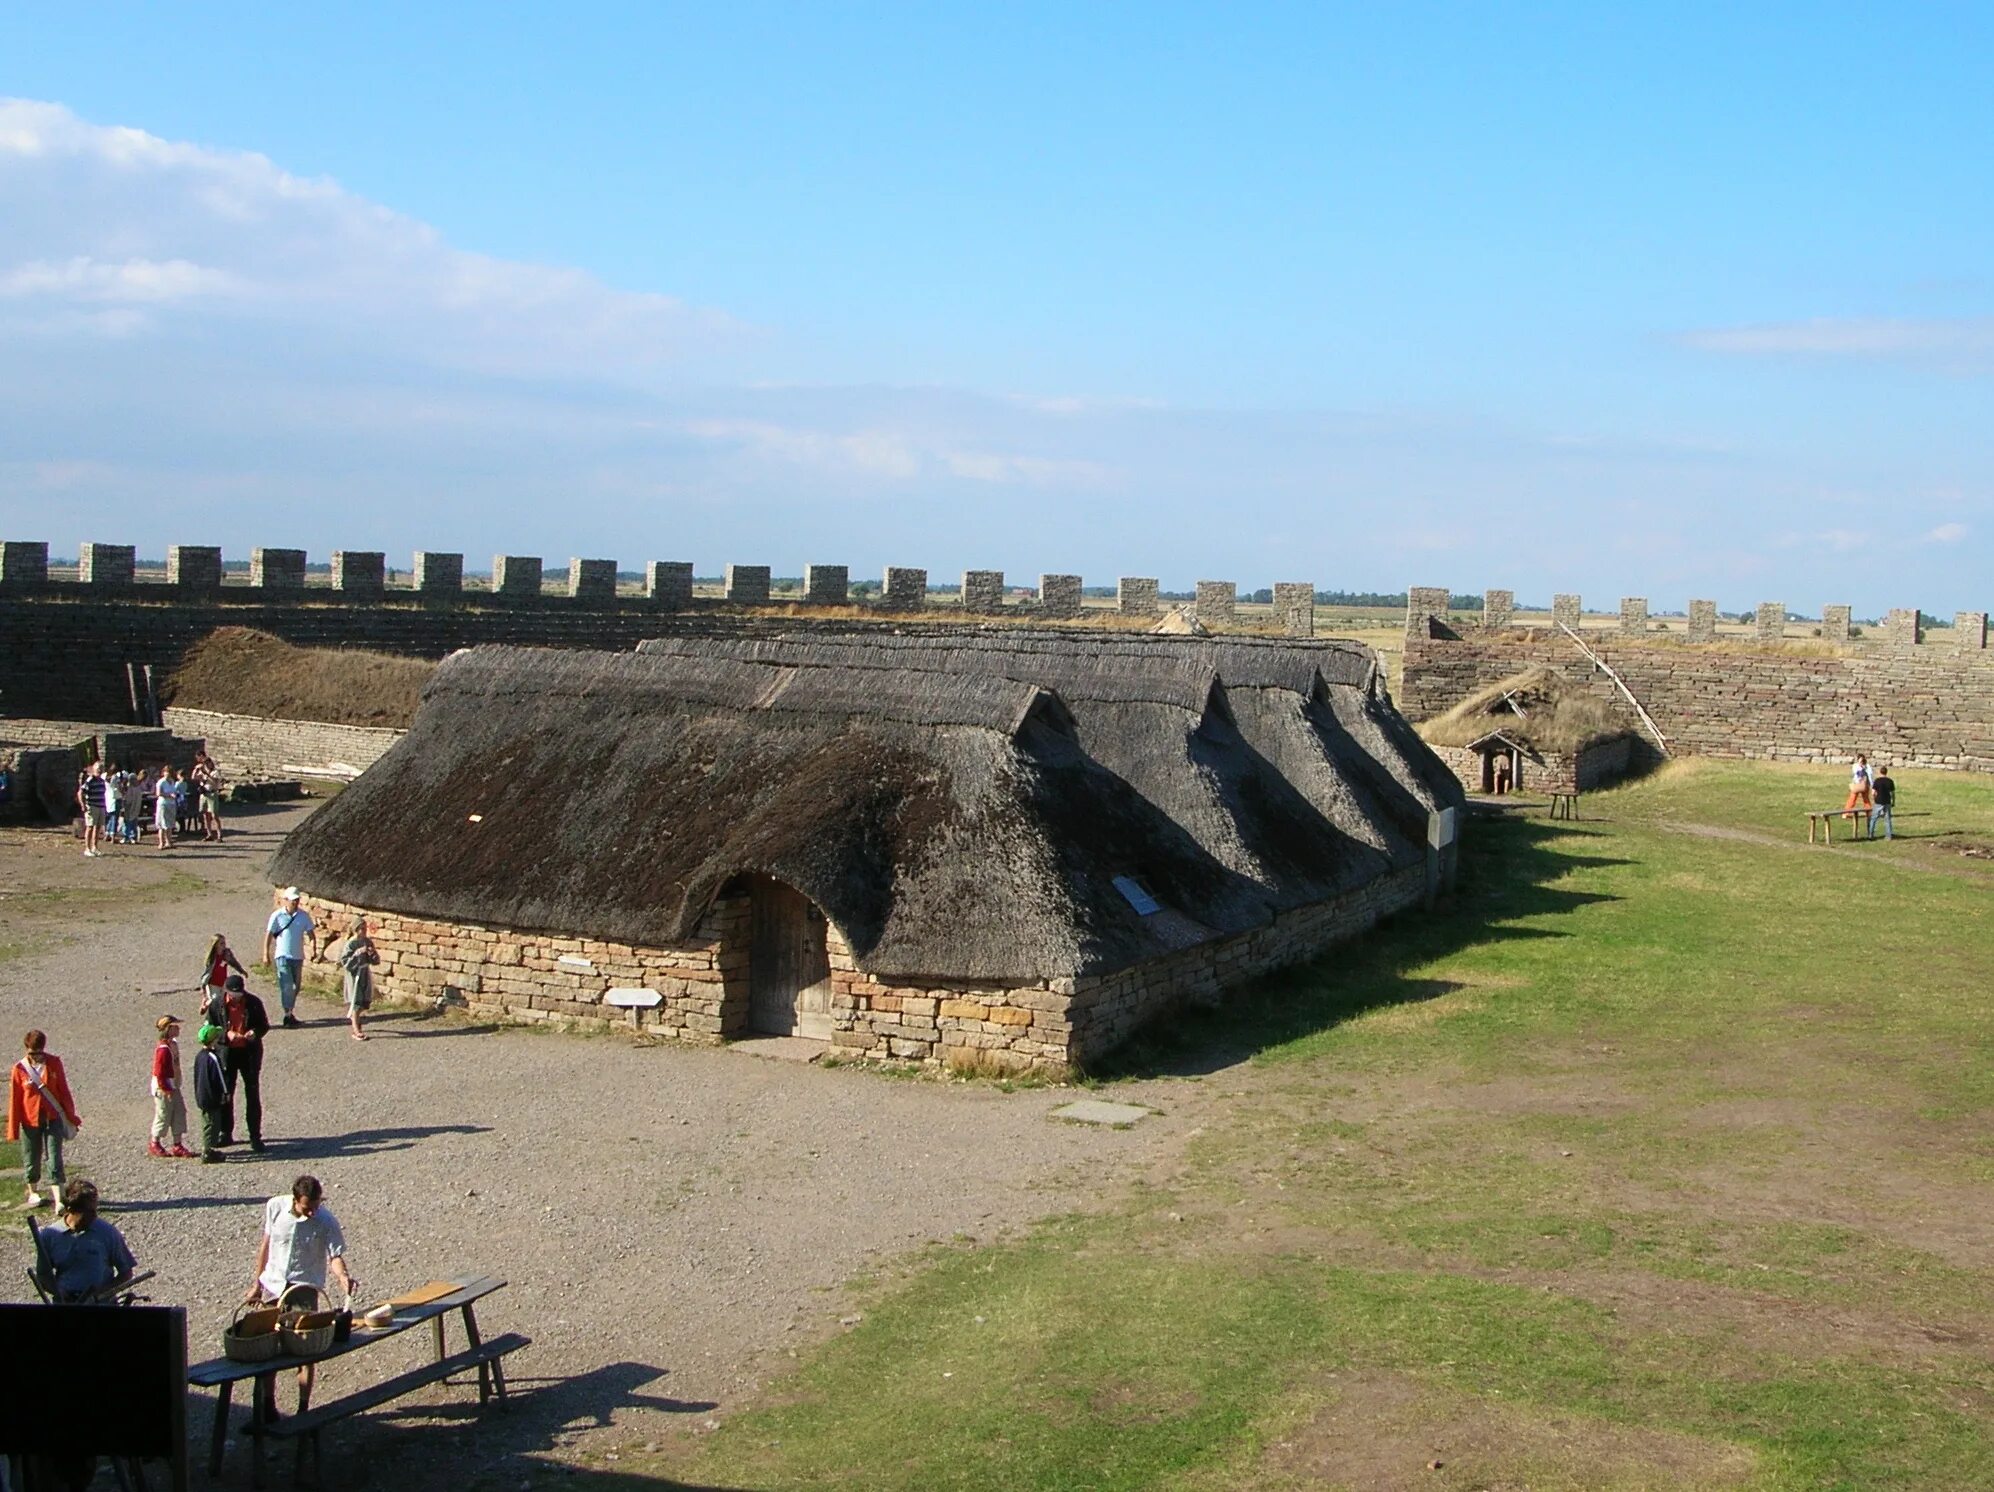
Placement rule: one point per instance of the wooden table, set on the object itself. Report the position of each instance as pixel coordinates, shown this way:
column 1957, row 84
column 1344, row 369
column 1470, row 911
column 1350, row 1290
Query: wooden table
column 1564, row 805
column 223, row 1373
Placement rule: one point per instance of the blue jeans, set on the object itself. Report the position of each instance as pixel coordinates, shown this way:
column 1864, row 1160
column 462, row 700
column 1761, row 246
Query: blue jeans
column 1880, row 811
column 288, row 972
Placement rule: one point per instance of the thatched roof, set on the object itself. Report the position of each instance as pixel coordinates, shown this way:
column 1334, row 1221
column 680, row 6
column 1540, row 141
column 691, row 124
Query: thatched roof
column 958, row 806
column 1539, row 709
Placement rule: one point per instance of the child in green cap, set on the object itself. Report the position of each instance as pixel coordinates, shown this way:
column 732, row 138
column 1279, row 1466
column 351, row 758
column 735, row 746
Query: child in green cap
column 211, row 1093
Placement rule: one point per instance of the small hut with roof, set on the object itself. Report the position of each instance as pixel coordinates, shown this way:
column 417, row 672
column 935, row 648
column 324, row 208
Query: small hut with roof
column 998, row 850
column 1536, row 732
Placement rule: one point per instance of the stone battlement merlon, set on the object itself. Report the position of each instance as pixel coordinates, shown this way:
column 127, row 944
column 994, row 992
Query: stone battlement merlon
column 197, row 572
column 1429, row 616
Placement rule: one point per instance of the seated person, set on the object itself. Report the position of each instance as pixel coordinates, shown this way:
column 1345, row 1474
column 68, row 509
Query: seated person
column 88, row 1255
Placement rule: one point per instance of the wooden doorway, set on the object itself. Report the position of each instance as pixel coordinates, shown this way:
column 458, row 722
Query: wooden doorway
column 789, row 973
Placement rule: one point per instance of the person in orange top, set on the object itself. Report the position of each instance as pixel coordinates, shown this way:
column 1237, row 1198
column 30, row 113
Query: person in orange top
column 40, row 1114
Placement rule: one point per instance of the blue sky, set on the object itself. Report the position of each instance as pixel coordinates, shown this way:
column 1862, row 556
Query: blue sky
column 1631, row 300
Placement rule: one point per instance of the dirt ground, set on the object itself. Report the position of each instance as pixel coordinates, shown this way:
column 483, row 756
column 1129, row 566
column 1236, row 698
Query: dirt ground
column 672, row 1221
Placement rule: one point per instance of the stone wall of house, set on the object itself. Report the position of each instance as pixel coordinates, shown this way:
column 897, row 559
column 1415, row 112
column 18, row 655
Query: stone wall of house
column 254, row 746
column 1927, row 703
column 514, row 975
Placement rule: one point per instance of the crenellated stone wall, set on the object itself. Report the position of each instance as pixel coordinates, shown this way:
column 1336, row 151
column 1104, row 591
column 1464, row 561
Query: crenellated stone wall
column 1895, row 695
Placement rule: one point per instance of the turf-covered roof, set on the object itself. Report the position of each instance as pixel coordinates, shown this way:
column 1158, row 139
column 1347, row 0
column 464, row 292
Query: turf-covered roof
column 959, row 806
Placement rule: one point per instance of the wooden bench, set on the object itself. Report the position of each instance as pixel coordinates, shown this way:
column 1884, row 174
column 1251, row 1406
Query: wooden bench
column 487, row 1357
column 1564, row 805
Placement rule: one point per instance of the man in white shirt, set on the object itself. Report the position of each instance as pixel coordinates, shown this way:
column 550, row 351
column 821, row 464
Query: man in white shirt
column 285, row 943
column 301, row 1243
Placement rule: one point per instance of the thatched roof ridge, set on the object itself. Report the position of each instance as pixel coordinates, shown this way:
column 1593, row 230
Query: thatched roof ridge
column 954, row 822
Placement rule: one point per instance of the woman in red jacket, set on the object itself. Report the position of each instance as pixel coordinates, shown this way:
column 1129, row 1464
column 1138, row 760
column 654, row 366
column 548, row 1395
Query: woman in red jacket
column 40, row 1114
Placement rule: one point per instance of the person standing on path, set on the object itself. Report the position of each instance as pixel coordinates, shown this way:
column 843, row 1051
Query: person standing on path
column 1883, row 790
column 285, row 942
column 208, row 783
column 214, row 978
column 165, row 808
column 131, row 791
column 93, row 795
column 169, row 1105
column 244, row 1024
column 301, row 1243
column 210, row 1093
column 41, row 1114
column 357, row 957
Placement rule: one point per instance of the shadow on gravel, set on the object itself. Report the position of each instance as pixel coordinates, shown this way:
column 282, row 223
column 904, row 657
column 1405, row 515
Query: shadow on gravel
column 1509, row 864
column 456, row 1446
column 367, row 1141
column 176, row 1204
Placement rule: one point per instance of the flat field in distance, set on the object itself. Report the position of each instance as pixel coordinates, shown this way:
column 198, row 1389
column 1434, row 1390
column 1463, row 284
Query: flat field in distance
column 1661, row 1160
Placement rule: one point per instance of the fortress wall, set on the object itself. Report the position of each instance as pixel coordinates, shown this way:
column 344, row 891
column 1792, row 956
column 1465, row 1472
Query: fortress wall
column 1928, row 703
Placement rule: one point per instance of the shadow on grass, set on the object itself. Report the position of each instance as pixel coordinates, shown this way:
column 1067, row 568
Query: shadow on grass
column 1508, row 863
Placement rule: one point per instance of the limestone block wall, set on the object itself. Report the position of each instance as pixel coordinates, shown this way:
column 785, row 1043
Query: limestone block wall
column 1928, row 704
column 1060, row 595
column 277, row 569
column 668, row 584
column 1217, row 602
column 1497, row 608
column 906, row 588
column 1137, row 595
column 748, row 585
column 194, row 567
column 359, row 573
column 524, row 976
column 592, row 579
column 1294, row 605
column 106, row 564
column 517, row 574
column 983, row 591
column 827, row 585
column 256, row 746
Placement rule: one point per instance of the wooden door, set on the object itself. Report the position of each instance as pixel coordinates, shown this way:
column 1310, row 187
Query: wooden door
column 789, row 973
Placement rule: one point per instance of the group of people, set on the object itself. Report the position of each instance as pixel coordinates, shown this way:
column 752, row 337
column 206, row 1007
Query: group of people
column 234, row 1024
column 1872, row 794
column 118, row 806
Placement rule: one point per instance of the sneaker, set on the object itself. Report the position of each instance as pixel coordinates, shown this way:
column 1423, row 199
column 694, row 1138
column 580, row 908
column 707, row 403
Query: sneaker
column 46, row 1199
column 181, row 1152
column 89, row 854
column 292, row 1021
column 211, row 1157
column 153, row 1147
column 258, row 1146
column 33, row 1198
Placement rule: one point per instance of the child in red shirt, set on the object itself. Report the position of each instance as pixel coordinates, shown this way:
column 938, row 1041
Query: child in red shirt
column 169, row 1107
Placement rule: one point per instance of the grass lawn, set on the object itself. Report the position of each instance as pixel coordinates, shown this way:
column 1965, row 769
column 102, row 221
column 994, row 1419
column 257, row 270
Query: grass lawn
column 1662, row 1160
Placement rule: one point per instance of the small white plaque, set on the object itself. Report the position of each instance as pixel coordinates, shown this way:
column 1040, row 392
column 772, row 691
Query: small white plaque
column 575, row 961
column 634, row 999
column 1440, row 828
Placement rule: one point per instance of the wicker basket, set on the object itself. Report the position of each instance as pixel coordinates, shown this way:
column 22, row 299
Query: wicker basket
column 309, row 1333
column 253, row 1334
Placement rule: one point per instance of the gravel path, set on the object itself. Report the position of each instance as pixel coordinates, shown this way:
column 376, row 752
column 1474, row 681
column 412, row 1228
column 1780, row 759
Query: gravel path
column 672, row 1221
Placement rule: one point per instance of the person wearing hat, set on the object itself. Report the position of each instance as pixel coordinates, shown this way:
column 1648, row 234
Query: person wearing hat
column 244, row 1024
column 285, row 941
column 169, row 1105
column 211, row 1093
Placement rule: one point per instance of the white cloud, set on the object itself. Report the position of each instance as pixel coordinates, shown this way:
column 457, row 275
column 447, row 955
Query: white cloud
column 99, row 215
column 83, row 279
column 1946, row 533
column 1964, row 344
